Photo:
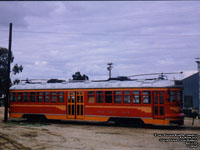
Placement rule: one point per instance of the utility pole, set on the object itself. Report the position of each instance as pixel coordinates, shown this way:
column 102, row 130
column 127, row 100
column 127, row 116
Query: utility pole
column 6, row 101
column 109, row 68
column 198, row 67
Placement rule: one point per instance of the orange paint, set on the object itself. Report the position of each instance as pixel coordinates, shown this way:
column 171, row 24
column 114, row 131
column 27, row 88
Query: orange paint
column 156, row 121
column 60, row 107
column 141, row 108
column 95, row 118
column 15, row 115
column 176, row 109
column 61, row 117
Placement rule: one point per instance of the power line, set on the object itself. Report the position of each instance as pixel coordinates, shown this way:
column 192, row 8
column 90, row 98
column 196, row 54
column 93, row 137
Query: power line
column 111, row 34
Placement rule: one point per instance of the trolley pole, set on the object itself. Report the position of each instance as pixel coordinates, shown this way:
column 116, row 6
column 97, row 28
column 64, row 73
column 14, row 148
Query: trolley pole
column 6, row 101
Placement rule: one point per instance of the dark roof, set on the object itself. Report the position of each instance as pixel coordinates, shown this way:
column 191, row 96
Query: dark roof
column 192, row 76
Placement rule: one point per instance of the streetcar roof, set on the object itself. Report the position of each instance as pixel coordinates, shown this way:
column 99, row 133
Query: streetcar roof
column 96, row 85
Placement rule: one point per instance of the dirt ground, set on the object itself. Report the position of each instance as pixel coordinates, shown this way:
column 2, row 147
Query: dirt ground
column 23, row 135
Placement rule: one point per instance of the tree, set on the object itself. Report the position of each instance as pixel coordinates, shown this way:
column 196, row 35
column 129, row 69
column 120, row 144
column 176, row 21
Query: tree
column 78, row 76
column 4, row 66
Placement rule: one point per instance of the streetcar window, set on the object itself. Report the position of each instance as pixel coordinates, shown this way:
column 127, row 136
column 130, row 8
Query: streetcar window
column 39, row 96
column 91, row 98
column 53, row 93
column 156, row 110
column 99, row 97
column 127, row 97
column 46, row 96
column 161, row 99
column 91, row 93
column 136, row 97
column 146, row 97
column 118, row 92
column 118, row 97
column 161, row 93
column 178, row 95
column 136, row 92
column 26, row 97
column 156, row 99
column 60, row 97
column 19, row 97
column 69, row 99
column 108, row 96
column 127, row 92
column 161, row 110
column 13, row 97
column 60, row 93
column 53, row 97
column 172, row 96
column 32, row 96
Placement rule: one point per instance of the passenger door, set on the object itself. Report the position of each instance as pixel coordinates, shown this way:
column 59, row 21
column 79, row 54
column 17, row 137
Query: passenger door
column 158, row 105
column 75, row 105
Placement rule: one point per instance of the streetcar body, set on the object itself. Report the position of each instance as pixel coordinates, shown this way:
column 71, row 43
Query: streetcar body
column 153, row 102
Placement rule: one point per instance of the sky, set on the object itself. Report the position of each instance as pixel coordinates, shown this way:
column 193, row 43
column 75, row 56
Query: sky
column 57, row 39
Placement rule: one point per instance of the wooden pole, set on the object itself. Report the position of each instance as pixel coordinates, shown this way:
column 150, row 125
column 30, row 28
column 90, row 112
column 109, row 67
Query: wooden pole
column 6, row 102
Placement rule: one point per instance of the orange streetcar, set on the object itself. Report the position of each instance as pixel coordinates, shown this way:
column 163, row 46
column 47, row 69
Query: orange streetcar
column 155, row 102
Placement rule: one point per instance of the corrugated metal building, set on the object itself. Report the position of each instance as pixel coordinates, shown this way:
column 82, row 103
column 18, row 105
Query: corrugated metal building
column 191, row 92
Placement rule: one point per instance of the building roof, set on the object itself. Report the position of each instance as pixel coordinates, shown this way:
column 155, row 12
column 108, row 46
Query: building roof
column 102, row 84
column 192, row 76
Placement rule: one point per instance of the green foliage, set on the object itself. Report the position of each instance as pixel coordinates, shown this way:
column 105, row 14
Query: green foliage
column 4, row 66
column 17, row 69
column 16, row 81
column 78, row 76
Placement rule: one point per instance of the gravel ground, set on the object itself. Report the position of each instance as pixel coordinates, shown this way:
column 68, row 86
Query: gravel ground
column 22, row 135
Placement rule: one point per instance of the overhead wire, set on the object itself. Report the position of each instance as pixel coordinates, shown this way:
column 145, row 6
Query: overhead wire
column 111, row 34
column 111, row 19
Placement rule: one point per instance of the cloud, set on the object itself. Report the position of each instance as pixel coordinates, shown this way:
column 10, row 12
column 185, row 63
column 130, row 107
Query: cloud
column 58, row 49
column 18, row 12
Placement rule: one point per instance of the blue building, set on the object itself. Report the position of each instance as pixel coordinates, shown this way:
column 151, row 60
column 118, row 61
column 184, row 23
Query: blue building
column 191, row 92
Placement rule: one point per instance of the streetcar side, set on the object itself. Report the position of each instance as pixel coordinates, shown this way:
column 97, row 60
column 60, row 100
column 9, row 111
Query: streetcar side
column 160, row 106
